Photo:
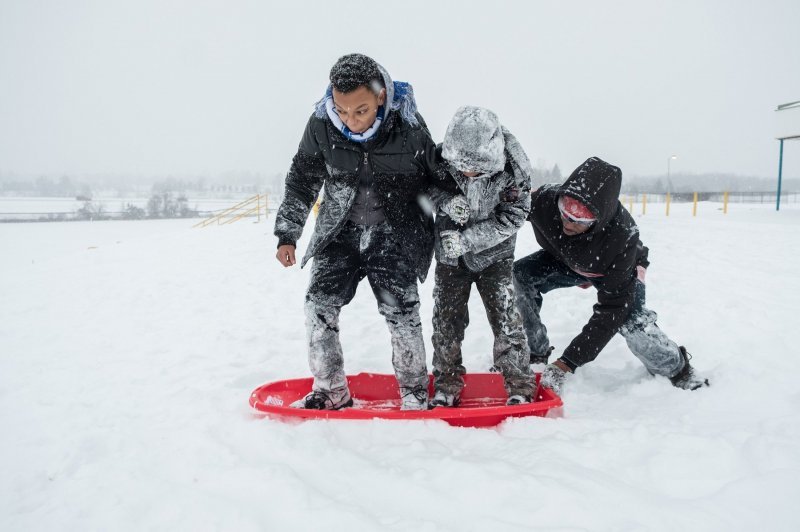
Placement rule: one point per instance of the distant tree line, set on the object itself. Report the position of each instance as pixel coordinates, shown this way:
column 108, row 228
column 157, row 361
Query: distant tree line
column 89, row 186
column 543, row 174
column 85, row 187
column 160, row 205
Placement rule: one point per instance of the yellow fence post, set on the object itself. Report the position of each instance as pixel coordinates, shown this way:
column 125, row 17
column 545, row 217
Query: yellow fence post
column 725, row 203
column 644, row 204
column 630, row 204
column 258, row 208
column 316, row 209
column 694, row 207
column 668, row 199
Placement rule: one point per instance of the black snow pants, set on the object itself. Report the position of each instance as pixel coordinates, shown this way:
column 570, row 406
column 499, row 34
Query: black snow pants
column 540, row 273
column 451, row 317
column 373, row 252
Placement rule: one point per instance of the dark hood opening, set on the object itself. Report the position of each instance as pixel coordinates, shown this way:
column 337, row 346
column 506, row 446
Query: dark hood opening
column 596, row 184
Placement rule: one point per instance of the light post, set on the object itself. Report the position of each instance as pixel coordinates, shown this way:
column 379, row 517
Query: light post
column 669, row 182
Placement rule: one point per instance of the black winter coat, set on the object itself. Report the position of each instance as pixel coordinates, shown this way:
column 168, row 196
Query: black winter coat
column 402, row 160
column 607, row 254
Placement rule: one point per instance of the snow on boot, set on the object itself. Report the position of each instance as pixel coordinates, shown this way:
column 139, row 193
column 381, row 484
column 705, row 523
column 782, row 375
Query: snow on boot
column 686, row 378
column 330, row 400
column 553, row 378
column 415, row 398
column 541, row 358
column 518, row 400
column 441, row 398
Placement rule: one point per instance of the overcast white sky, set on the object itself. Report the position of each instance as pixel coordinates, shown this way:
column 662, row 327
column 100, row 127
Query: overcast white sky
column 202, row 87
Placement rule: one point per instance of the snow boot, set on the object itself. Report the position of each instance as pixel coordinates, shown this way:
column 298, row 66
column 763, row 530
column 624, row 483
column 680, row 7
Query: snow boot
column 541, row 358
column 330, row 400
column 686, row 378
column 518, row 400
column 441, row 398
column 415, row 398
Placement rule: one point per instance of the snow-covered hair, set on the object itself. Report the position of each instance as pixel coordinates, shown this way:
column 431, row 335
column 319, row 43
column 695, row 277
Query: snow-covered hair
column 356, row 70
column 474, row 141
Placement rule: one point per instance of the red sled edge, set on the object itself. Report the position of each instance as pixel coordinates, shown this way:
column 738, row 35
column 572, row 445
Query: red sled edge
column 376, row 396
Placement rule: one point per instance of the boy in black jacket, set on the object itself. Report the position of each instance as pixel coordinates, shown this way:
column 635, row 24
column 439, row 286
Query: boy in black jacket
column 588, row 238
column 372, row 151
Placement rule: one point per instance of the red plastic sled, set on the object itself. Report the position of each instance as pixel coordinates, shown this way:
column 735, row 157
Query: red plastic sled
column 483, row 401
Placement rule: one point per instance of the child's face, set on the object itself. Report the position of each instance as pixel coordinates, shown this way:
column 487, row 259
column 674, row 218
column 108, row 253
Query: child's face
column 358, row 108
column 471, row 174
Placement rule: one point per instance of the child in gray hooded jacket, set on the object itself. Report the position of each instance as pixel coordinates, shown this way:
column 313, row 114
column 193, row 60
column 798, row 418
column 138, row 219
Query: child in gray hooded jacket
column 481, row 194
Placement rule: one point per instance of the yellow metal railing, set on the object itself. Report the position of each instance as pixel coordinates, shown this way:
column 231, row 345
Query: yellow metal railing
column 249, row 207
column 633, row 199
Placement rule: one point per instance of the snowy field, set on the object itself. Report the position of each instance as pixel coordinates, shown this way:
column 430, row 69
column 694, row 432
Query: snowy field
column 128, row 351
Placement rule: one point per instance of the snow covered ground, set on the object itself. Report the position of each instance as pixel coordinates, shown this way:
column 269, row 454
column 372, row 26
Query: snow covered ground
column 128, row 351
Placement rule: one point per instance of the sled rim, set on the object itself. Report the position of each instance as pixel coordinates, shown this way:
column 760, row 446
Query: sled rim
column 273, row 399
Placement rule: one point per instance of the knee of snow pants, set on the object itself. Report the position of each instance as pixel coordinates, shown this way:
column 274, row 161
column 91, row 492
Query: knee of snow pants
column 659, row 354
column 408, row 346
column 510, row 351
column 535, row 275
column 450, row 319
column 325, row 357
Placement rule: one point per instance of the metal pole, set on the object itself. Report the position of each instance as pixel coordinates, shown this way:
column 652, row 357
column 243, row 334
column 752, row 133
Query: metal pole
column 780, row 176
column 669, row 160
column 669, row 184
column 669, row 179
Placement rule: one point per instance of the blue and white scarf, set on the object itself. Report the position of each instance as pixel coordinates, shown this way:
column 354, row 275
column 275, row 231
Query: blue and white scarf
column 399, row 93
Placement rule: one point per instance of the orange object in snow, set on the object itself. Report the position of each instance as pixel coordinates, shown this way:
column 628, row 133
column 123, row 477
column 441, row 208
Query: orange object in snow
column 483, row 401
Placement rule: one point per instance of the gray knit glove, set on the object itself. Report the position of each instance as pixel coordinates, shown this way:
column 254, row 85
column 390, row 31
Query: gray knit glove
column 553, row 378
column 457, row 209
column 453, row 244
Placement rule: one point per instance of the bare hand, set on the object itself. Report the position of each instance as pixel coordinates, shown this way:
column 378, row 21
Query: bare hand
column 285, row 255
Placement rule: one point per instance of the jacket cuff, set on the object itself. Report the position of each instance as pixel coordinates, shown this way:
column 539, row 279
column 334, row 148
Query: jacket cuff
column 284, row 241
column 571, row 365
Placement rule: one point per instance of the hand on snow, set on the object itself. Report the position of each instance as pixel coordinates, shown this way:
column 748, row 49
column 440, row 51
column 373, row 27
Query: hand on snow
column 453, row 244
column 553, row 378
column 457, row 209
column 285, row 255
